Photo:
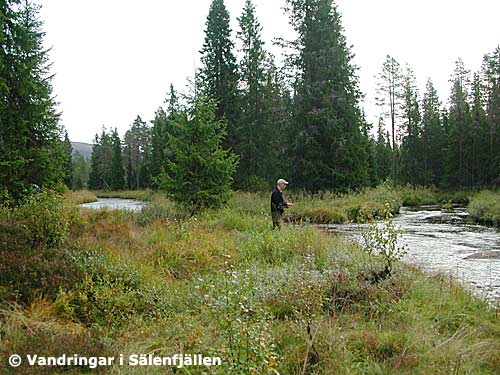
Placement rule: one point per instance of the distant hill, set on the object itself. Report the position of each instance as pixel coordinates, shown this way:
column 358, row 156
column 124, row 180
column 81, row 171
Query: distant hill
column 84, row 149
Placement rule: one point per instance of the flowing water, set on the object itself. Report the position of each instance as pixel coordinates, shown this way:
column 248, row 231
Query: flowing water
column 443, row 241
column 116, row 204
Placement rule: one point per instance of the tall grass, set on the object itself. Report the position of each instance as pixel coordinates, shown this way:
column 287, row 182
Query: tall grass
column 329, row 208
column 223, row 283
column 79, row 197
column 484, row 207
column 144, row 195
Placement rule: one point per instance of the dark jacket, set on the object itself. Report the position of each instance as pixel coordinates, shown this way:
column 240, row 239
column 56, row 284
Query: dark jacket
column 277, row 201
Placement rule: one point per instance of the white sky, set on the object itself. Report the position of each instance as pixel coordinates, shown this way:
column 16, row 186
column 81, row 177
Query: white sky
column 115, row 59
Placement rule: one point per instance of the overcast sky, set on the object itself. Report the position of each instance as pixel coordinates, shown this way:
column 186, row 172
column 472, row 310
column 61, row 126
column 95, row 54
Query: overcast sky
column 115, row 59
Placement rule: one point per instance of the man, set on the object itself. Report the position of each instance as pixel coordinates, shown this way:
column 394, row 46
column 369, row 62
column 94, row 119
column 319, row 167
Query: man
column 278, row 203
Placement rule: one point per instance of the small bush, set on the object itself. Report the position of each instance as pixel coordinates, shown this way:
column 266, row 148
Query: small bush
column 112, row 291
column 43, row 218
column 382, row 241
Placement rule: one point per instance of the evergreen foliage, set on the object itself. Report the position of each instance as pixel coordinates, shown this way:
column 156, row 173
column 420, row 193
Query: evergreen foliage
column 31, row 150
column 200, row 173
column 326, row 141
column 218, row 77
column 117, row 170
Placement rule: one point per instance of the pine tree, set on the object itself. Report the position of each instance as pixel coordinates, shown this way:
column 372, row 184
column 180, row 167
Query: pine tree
column 218, row 76
column 117, row 170
column 389, row 98
column 325, row 145
column 30, row 133
column 201, row 172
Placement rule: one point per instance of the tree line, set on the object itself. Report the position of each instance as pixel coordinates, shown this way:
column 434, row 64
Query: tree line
column 304, row 119
column 301, row 118
column 452, row 146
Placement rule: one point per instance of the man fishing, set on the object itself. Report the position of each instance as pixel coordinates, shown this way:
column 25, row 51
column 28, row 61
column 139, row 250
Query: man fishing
column 278, row 203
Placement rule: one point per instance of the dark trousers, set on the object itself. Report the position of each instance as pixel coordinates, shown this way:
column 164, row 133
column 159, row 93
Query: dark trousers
column 277, row 217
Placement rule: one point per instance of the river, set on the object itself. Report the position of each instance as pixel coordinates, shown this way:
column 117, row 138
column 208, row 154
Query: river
column 116, row 204
column 444, row 241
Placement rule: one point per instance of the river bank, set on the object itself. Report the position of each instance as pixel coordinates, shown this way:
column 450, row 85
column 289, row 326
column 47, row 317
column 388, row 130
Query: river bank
column 223, row 283
column 331, row 208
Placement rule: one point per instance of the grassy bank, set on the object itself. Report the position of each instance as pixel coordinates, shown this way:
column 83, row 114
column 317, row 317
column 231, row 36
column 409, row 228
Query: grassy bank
column 484, row 208
column 79, row 197
column 421, row 196
column 223, row 283
column 144, row 195
column 330, row 208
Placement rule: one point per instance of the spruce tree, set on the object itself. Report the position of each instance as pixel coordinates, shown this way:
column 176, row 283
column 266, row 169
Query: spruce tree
column 101, row 161
column 480, row 136
column 218, row 76
column 68, row 161
column 259, row 126
column 201, row 172
column 81, row 169
column 383, row 152
column 411, row 145
column 160, row 131
column 459, row 163
column 30, row 133
column 491, row 82
column 137, row 153
column 433, row 137
column 325, row 137
column 117, row 170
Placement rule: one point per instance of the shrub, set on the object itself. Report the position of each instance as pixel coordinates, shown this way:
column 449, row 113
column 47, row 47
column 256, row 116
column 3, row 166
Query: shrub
column 43, row 218
column 112, row 291
column 383, row 242
column 27, row 270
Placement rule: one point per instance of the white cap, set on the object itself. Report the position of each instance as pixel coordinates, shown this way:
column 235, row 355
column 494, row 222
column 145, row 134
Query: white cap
column 282, row 181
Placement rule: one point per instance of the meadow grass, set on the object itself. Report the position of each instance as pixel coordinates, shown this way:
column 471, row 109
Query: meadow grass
column 331, row 208
column 79, row 197
column 144, row 195
column 295, row 301
column 484, row 207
